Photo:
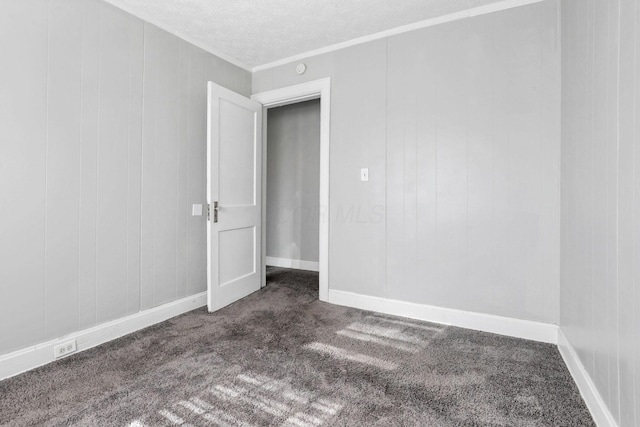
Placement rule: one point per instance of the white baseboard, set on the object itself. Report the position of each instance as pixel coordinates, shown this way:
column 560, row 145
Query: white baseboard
column 598, row 408
column 19, row 361
column 293, row 263
column 535, row 331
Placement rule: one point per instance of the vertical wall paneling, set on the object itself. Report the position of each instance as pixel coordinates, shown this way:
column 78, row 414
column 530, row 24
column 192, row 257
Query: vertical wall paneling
column 183, row 210
column 501, row 172
column 358, row 133
column 113, row 169
column 612, row 160
column 401, row 129
column 550, row 137
column 598, row 293
column 634, row 284
column 480, row 113
column 147, row 202
column 134, row 160
column 459, row 126
column 63, row 167
column 89, row 161
column 196, row 164
column 95, row 222
column 451, row 157
column 293, row 182
column 527, row 178
column 627, row 256
column 162, row 104
column 173, row 253
column 23, row 120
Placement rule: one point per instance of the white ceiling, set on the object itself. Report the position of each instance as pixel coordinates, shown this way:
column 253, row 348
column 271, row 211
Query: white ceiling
column 258, row 32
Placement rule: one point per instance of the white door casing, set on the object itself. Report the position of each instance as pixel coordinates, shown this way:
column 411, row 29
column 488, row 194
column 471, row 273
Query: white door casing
column 320, row 88
column 234, row 194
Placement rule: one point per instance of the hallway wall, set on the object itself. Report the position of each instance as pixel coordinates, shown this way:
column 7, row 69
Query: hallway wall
column 293, row 181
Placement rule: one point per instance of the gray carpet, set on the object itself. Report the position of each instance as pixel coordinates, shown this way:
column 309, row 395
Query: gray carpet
column 281, row 357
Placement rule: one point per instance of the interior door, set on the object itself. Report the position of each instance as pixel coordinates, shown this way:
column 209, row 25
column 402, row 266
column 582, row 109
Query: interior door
column 234, row 174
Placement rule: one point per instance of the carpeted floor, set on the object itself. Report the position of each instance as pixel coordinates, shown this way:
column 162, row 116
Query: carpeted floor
column 281, row 357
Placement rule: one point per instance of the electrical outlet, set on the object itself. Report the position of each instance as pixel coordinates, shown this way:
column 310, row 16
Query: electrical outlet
column 64, row 349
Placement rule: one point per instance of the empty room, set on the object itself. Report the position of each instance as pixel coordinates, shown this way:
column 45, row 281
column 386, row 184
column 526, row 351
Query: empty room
column 320, row 213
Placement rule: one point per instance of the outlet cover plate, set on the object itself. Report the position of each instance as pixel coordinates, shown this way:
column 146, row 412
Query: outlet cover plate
column 64, row 349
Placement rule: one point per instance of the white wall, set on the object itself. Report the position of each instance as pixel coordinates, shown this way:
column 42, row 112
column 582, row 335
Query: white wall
column 600, row 281
column 293, row 181
column 459, row 127
column 102, row 152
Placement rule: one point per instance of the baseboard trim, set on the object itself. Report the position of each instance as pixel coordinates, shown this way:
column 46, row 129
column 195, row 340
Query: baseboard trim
column 526, row 329
column 293, row 263
column 596, row 405
column 20, row 361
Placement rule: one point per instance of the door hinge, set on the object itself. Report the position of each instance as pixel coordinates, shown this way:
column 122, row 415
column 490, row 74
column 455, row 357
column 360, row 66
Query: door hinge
column 208, row 212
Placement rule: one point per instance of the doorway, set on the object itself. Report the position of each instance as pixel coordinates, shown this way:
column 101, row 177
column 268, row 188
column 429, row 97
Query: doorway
column 315, row 90
column 293, row 185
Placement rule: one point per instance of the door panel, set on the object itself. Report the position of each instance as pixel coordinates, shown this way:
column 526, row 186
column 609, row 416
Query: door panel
column 234, row 245
column 234, row 182
column 237, row 159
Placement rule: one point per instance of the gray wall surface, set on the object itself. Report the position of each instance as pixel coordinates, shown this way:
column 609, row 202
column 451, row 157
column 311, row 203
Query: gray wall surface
column 293, row 181
column 102, row 153
column 600, row 280
column 459, row 125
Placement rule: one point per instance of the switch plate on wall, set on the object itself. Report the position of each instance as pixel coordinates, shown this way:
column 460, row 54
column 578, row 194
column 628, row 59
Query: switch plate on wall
column 196, row 210
column 364, row 174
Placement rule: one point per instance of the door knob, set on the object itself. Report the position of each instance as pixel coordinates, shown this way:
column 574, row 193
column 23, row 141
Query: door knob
column 216, row 209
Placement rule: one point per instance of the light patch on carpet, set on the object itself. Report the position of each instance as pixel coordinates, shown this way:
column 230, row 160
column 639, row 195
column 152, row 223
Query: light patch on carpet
column 405, row 323
column 224, row 420
column 201, row 403
column 330, row 409
column 377, row 340
column 249, row 379
column 171, row 417
column 192, row 407
column 296, row 398
column 389, row 333
column 303, row 420
column 342, row 354
column 304, row 409
column 398, row 334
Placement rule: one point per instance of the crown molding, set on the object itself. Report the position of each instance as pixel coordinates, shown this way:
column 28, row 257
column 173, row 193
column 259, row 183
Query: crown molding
column 476, row 11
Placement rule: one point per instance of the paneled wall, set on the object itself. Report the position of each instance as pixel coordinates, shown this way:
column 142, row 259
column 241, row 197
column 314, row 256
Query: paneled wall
column 293, row 181
column 600, row 280
column 459, row 125
column 102, row 153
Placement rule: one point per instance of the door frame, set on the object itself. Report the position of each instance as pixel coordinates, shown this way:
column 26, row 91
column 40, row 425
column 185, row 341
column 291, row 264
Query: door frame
column 290, row 95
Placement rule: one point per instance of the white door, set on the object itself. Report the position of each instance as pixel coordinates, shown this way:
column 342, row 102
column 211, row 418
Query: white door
column 234, row 169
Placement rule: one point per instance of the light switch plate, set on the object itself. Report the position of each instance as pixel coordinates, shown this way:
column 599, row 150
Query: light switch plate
column 364, row 174
column 196, row 210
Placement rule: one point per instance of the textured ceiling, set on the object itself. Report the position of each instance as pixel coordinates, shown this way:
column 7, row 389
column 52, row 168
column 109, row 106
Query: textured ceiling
column 257, row 32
